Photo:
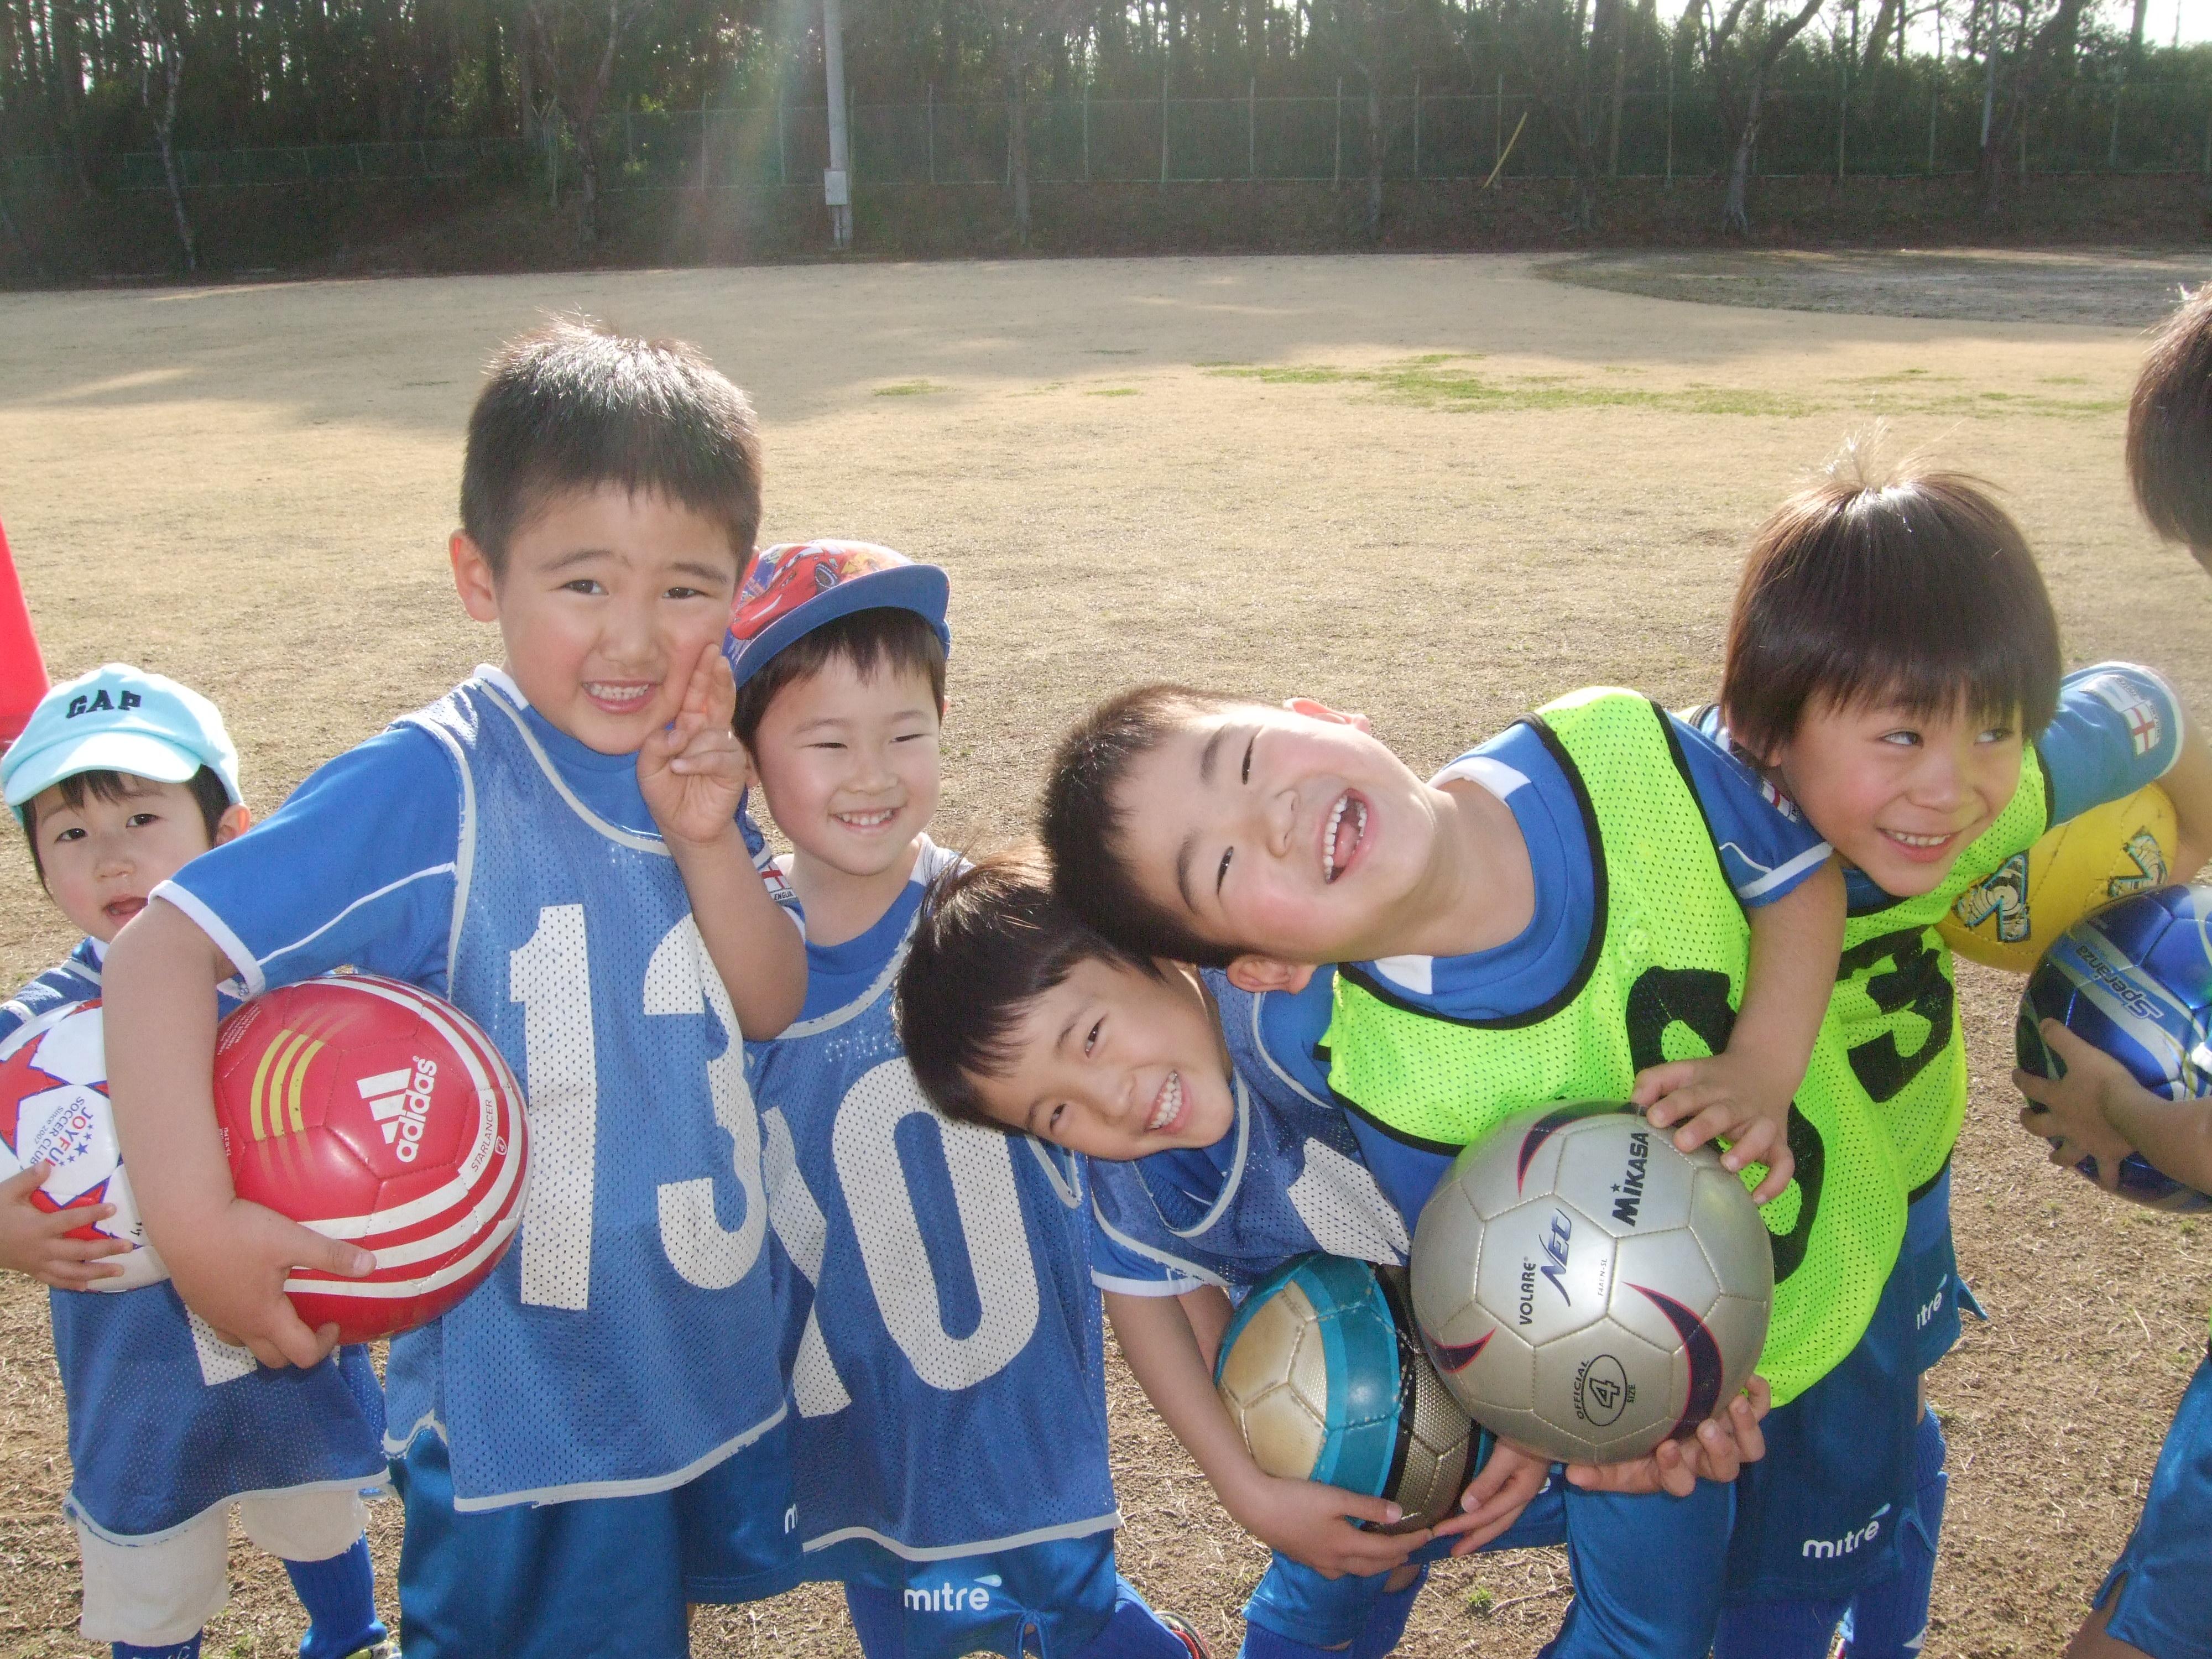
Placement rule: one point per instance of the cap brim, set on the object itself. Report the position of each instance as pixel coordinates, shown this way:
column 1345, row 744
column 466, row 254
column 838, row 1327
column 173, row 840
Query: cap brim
column 134, row 752
column 923, row 589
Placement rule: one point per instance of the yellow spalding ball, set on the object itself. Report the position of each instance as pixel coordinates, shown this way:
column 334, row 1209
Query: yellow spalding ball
column 2010, row 917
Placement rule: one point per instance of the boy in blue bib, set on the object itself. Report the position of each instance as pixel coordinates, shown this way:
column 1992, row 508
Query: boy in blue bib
column 949, row 1440
column 120, row 778
column 592, row 1438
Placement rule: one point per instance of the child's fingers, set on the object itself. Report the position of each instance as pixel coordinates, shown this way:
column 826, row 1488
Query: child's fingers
column 1713, row 1119
column 1379, row 1511
column 721, row 692
column 1653, row 1084
column 20, row 1186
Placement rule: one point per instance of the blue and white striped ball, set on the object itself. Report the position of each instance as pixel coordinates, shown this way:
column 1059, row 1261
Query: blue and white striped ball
column 1325, row 1378
column 2135, row 980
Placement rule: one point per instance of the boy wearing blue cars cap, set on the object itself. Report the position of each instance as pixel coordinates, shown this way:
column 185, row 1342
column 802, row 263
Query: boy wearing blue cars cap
column 949, row 1440
column 120, row 779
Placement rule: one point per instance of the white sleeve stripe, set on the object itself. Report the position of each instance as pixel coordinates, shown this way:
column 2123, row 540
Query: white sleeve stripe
column 1811, row 858
column 1176, row 1286
column 218, row 931
column 306, row 940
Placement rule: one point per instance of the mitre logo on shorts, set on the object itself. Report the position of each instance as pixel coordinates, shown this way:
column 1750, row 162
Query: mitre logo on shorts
column 399, row 1100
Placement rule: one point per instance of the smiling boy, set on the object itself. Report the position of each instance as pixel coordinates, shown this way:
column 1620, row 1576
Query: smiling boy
column 1893, row 671
column 1597, row 903
column 593, row 1437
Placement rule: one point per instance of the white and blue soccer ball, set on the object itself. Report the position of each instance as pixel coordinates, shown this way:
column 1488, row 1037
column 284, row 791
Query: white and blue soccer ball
column 1324, row 1376
column 54, row 1110
column 1585, row 1289
column 2135, row 980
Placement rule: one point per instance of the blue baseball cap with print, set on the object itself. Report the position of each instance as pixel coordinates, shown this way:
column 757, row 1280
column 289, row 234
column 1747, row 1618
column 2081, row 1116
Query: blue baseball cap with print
column 119, row 719
column 796, row 586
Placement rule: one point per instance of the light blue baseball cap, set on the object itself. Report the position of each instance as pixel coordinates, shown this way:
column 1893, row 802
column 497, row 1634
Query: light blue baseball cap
column 119, row 719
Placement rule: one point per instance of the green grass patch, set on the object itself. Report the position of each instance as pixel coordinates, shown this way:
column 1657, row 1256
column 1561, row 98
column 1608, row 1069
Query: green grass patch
column 910, row 389
column 1431, row 382
column 1112, row 392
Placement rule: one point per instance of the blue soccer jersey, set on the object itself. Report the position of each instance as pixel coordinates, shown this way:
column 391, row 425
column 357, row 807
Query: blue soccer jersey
column 948, row 1374
column 165, row 1419
column 624, row 1345
column 1286, row 1180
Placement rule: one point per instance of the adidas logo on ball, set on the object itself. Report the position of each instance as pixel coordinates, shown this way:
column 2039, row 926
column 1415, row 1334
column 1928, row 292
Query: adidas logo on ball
column 402, row 1112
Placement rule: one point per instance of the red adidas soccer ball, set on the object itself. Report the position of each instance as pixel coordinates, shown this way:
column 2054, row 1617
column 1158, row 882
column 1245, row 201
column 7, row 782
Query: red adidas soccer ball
column 372, row 1111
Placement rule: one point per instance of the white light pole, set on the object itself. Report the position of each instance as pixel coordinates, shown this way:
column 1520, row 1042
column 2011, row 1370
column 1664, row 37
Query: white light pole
column 837, row 181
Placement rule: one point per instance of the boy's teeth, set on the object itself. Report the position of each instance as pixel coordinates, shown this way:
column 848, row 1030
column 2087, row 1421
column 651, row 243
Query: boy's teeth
column 1918, row 840
column 867, row 820
column 619, row 693
column 1328, row 841
column 1168, row 1103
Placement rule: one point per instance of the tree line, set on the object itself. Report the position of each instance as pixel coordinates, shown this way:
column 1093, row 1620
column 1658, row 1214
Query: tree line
column 85, row 81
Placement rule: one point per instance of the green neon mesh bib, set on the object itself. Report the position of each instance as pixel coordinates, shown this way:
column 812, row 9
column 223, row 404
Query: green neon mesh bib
column 1896, row 1003
column 1662, row 980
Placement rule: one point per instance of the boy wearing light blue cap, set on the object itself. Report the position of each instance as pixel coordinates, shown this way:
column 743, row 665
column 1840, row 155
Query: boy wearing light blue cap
column 120, row 779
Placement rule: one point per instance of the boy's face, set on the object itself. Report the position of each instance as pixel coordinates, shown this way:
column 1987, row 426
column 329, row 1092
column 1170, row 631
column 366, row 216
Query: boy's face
column 848, row 764
column 1294, row 836
column 1114, row 1064
column 102, row 858
column 606, row 602
column 1900, row 794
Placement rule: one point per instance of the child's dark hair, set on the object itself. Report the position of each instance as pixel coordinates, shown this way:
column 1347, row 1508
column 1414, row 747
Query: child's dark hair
column 1082, row 821
column 210, row 794
column 990, row 940
column 574, row 406
column 2170, row 428
column 883, row 639
column 1916, row 588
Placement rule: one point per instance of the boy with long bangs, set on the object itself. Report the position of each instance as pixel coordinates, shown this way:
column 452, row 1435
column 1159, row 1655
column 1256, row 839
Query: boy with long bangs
column 1577, row 908
column 2153, row 1601
column 950, row 1444
column 1892, row 652
column 592, row 1438
column 1216, row 1155
column 120, row 778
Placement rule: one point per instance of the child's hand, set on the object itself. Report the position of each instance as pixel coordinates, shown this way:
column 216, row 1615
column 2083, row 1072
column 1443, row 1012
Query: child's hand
column 1725, row 1095
column 2070, row 1111
column 233, row 1275
column 1724, row 1442
column 1501, row 1489
column 1313, row 1523
column 34, row 1241
column 694, row 773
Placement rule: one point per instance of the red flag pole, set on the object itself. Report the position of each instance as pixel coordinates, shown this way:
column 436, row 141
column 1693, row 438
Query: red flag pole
column 22, row 670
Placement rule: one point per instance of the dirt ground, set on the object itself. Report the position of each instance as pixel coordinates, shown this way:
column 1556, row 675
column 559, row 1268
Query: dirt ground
column 1440, row 489
column 2130, row 286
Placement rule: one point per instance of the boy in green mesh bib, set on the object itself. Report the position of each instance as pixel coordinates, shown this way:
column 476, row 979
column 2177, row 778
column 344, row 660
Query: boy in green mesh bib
column 1893, row 671
column 1599, row 902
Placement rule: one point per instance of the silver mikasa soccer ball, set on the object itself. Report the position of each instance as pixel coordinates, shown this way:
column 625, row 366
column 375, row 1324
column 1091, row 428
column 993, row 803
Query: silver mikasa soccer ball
column 1586, row 1290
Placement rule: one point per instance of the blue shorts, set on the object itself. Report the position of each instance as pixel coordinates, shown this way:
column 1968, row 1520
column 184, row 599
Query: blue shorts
column 608, row 1577
column 1064, row 1591
column 1817, row 1517
column 2158, row 1588
column 1938, row 1293
column 1298, row 1603
column 1648, row 1574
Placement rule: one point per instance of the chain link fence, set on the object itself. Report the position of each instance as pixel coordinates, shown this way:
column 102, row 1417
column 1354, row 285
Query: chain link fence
column 1923, row 118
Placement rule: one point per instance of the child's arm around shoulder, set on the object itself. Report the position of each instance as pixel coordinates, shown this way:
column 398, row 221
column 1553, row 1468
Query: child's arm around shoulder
column 1792, row 891
column 228, row 1258
column 693, row 776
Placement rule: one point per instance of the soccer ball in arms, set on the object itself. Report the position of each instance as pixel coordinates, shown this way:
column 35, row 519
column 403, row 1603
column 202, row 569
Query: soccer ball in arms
column 1323, row 1377
column 372, row 1111
column 1585, row 1289
column 2135, row 980
column 54, row 1110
